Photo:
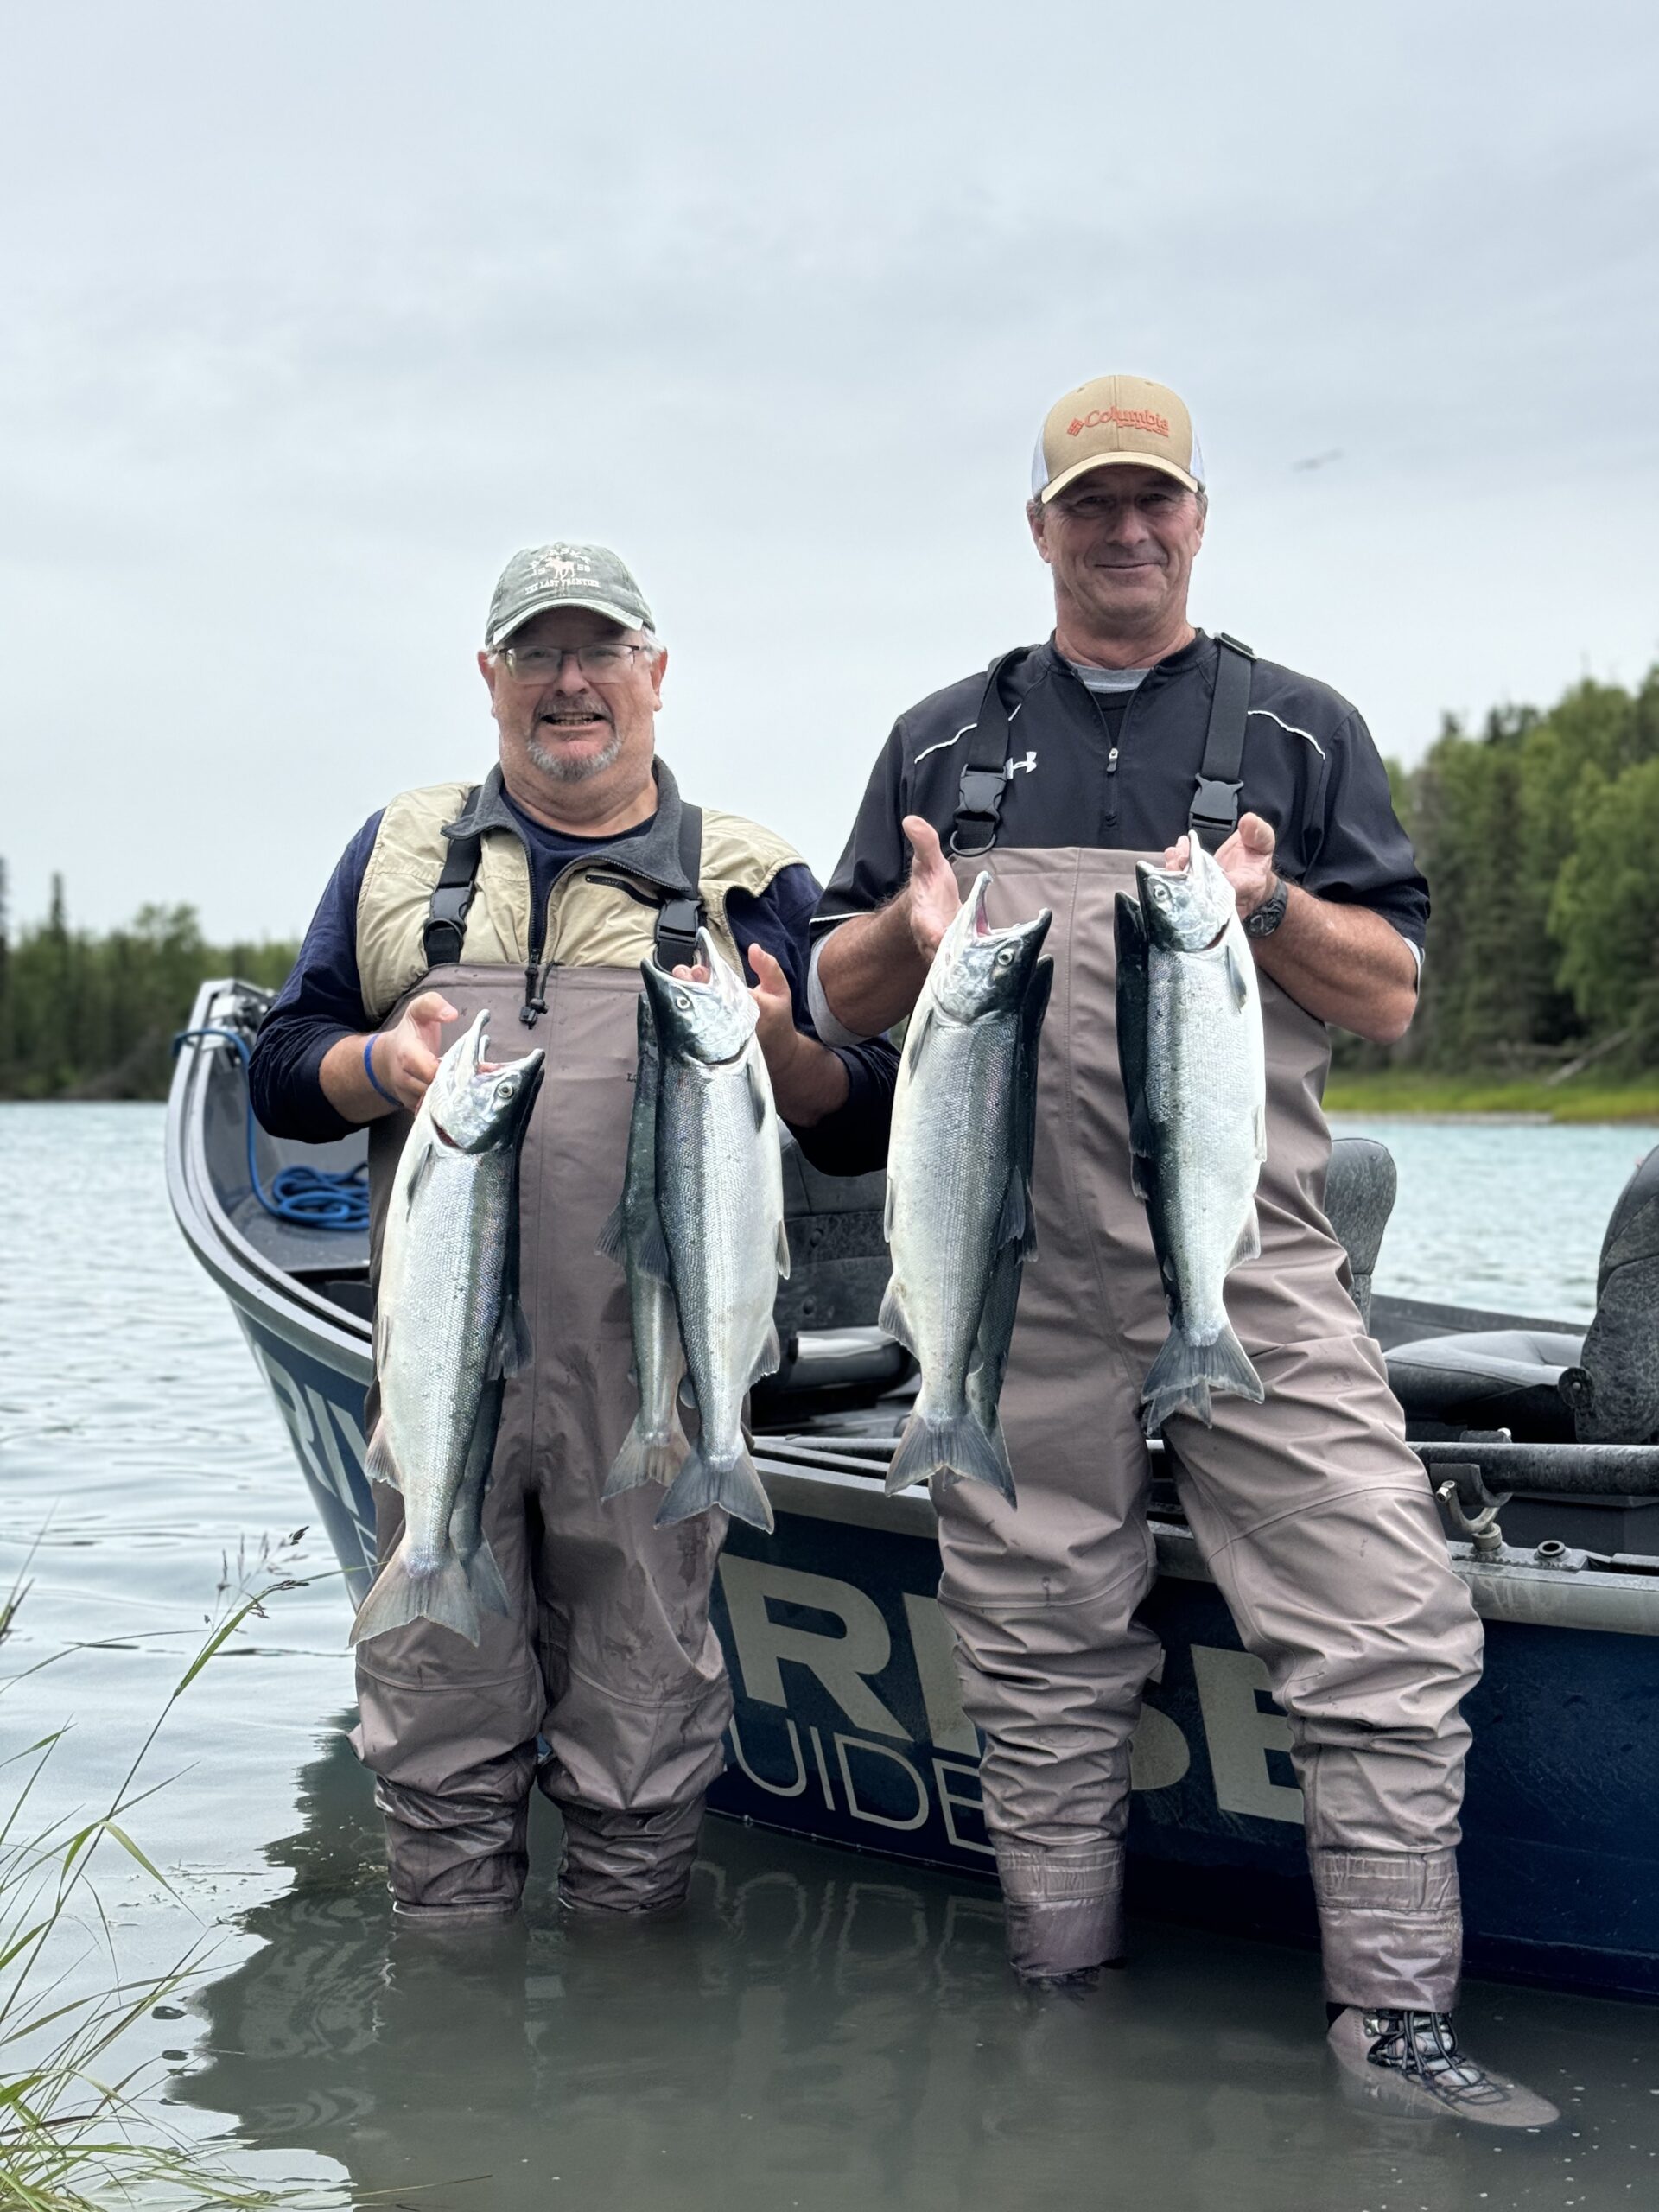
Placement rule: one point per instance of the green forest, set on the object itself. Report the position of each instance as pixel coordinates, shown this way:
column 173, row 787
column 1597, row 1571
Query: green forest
column 1539, row 834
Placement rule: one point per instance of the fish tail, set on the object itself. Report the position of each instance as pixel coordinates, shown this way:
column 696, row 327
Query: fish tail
column 647, row 1457
column 446, row 1596
column 702, row 1482
column 959, row 1445
column 1184, row 1373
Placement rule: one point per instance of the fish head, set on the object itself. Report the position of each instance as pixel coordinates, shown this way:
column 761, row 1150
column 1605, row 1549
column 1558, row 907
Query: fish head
column 1186, row 909
column 711, row 1022
column 979, row 971
column 478, row 1104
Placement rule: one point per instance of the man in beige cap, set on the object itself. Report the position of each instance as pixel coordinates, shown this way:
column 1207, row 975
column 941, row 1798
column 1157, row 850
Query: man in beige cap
column 532, row 894
column 1111, row 742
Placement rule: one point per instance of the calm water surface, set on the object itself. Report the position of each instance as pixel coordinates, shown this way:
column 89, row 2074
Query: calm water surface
column 820, row 2030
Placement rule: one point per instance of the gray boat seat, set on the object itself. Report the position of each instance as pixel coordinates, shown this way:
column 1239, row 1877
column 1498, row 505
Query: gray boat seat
column 1359, row 1193
column 1491, row 1378
column 1549, row 1388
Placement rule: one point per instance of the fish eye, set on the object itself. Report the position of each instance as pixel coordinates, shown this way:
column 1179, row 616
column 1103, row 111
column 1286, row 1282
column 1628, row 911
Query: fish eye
column 507, row 1090
column 1005, row 957
column 683, row 1002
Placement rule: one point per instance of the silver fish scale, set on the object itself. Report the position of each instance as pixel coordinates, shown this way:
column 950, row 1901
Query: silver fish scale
column 1204, row 1064
column 949, row 1195
column 719, row 1187
column 441, row 1276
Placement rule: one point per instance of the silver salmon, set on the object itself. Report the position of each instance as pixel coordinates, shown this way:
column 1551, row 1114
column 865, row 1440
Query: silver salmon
column 959, row 1188
column 448, row 1330
column 719, row 1193
column 1189, row 1029
column 655, row 1448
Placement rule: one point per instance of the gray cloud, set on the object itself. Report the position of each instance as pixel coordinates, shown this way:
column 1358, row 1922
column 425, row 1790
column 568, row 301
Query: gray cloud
column 314, row 316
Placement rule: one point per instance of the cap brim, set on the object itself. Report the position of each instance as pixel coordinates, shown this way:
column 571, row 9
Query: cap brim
column 605, row 607
column 1118, row 461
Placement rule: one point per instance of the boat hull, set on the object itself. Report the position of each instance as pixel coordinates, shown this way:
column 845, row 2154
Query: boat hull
column 848, row 1727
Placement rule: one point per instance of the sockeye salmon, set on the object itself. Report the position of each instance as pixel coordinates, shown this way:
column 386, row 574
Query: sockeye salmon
column 1189, row 1033
column 447, row 1331
column 655, row 1447
column 719, row 1195
column 959, row 1215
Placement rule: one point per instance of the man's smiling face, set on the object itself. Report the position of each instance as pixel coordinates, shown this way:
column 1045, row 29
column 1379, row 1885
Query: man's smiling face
column 1121, row 541
column 565, row 728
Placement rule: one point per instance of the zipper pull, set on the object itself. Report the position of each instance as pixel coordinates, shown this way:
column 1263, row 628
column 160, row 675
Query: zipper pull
column 535, row 1003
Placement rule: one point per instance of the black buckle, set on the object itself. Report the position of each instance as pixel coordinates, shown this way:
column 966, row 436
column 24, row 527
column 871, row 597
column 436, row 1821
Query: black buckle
column 981, row 793
column 1215, row 805
column 677, row 934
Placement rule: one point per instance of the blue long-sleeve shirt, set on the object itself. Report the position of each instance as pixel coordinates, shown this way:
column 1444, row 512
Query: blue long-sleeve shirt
column 322, row 1000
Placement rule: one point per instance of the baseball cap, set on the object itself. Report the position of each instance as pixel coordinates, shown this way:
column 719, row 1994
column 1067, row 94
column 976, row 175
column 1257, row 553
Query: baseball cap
column 564, row 575
column 1115, row 419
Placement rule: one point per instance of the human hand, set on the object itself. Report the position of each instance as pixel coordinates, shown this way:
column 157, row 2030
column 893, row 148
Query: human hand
column 406, row 1056
column 1246, row 860
column 934, row 897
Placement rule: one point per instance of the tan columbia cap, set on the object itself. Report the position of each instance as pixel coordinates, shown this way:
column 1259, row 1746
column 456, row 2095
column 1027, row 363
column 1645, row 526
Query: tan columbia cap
column 1115, row 419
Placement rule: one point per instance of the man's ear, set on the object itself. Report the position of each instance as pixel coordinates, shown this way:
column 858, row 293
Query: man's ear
column 487, row 669
column 1037, row 519
column 659, row 669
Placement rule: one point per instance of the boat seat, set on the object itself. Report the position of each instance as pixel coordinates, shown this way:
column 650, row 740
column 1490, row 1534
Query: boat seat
column 1491, row 1378
column 1550, row 1388
column 1359, row 1193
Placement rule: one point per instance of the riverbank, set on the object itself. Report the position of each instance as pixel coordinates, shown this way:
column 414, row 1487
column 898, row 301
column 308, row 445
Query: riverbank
column 1404, row 1090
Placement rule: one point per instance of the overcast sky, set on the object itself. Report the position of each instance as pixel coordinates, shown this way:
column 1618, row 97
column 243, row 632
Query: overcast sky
column 313, row 313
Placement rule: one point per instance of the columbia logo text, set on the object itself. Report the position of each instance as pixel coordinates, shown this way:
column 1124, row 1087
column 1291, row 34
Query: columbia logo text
column 1120, row 419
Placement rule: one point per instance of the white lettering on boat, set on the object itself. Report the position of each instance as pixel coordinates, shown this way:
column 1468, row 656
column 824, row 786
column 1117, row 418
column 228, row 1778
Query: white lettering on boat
column 840, row 1662
column 1240, row 1735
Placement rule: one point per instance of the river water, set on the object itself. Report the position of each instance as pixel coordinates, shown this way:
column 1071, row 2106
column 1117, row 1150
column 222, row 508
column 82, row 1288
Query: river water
column 820, row 2030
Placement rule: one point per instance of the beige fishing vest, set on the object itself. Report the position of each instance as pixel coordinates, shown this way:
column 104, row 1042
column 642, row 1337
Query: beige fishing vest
column 591, row 922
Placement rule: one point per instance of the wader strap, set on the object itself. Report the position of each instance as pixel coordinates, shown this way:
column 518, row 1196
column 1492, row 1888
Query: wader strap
column 985, row 774
column 452, row 896
column 1214, row 812
column 679, row 920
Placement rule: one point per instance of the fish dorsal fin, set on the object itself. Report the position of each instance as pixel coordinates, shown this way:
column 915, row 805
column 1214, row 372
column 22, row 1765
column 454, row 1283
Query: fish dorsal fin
column 759, row 1103
column 511, row 1353
column 1016, row 1214
column 894, row 1318
column 888, row 1211
column 614, row 1236
column 653, row 1249
column 1236, row 975
column 771, row 1356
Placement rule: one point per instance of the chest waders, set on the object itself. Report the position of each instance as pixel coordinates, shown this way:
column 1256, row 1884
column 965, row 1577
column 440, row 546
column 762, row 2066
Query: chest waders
column 1313, row 1513
column 609, row 1657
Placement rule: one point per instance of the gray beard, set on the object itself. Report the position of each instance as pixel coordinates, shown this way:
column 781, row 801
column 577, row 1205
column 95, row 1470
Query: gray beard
column 573, row 768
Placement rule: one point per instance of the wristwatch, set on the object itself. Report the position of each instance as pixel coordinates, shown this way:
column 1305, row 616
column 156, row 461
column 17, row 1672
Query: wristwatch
column 1269, row 915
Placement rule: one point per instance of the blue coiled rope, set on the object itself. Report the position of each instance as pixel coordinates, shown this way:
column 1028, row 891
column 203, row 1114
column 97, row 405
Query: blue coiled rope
column 309, row 1197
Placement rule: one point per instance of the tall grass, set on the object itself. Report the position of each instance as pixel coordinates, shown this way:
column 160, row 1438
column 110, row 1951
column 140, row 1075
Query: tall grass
column 73, row 2134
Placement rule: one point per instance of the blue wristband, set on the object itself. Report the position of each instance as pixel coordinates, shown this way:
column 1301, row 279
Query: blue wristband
column 368, row 1069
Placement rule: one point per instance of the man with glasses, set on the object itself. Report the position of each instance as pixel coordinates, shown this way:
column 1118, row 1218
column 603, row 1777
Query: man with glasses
column 1125, row 732
column 533, row 896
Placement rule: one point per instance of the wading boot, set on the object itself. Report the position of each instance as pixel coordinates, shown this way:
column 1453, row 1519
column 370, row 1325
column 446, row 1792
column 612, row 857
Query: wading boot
column 1409, row 2064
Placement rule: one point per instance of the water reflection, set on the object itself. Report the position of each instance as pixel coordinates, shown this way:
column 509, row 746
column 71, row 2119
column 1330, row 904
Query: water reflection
column 819, row 2030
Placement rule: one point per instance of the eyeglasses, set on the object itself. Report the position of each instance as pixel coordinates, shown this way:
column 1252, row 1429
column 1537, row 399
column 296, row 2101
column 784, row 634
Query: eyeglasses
column 605, row 664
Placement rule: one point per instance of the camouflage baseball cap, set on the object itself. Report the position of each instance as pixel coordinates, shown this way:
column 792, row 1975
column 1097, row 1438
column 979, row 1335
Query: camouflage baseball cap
column 564, row 575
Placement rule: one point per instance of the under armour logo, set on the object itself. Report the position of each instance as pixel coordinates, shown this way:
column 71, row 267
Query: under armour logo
column 1027, row 764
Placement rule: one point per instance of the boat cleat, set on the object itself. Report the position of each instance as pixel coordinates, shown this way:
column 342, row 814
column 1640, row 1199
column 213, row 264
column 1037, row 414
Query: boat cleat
column 1409, row 2064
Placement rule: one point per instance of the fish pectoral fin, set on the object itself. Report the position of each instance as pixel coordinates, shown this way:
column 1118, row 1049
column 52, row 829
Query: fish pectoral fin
column 1142, row 1174
column 614, row 1236
column 887, row 1211
column 419, row 1173
column 759, row 1105
column 921, row 1024
column 1236, row 975
column 894, row 1318
column 782, row 1254
column 512, row 1350
column 380, row 1461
